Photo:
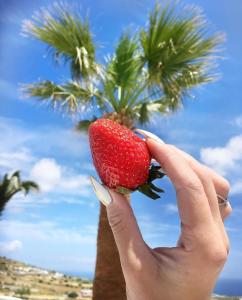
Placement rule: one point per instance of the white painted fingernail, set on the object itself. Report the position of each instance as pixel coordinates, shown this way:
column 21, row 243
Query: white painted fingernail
column 150, row 135
column 101, row 192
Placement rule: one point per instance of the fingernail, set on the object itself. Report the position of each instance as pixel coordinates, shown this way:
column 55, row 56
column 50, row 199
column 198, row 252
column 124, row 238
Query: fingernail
column 101, row 192
column 150, row 135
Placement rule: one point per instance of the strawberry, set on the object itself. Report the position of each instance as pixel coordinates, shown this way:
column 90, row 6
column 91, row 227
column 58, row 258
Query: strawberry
column 122, row 158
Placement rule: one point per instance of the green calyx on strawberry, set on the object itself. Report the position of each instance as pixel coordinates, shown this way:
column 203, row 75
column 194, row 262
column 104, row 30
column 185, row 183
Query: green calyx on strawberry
column 122, row 159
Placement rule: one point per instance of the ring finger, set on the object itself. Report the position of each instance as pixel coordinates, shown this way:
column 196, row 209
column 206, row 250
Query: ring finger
column 222, row 189
column 221, row 185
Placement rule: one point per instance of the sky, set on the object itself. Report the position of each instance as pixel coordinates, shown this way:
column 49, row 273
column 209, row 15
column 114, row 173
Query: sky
column 56, row 229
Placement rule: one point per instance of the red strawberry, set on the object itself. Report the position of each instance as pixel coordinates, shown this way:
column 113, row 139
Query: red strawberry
column 121, row 158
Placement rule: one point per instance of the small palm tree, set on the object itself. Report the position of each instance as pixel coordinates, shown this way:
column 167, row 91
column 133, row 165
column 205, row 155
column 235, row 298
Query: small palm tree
column 9, row 186
column 151, row 71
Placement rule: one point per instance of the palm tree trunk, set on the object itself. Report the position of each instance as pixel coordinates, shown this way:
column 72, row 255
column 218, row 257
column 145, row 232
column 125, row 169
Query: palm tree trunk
column 109, row 281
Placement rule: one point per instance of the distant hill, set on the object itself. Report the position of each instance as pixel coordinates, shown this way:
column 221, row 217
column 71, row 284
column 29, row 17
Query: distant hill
column 24, row 281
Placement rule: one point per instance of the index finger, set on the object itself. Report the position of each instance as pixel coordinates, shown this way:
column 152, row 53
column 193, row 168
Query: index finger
column 192, row 202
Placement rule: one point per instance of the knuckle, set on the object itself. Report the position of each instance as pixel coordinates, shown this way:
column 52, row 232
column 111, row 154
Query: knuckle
column 225, row 185
column 221, row 183
column 191, row 184
column 213, row 250
column 217, row 255
column 117, row 222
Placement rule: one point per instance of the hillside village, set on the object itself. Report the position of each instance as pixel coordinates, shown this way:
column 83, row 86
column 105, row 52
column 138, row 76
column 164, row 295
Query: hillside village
column 22, row 281
column 28, row 282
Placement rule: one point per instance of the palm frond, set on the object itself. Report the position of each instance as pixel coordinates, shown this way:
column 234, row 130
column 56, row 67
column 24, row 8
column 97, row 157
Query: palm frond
column 152, row 71
column 126, row 61
column 67, row 97
column 123, row 71
column 10, row 185
column 143, row 111
column 67, row 36
column 27, row 186
column 178, row 50
column 143, row 114
column 83, row 125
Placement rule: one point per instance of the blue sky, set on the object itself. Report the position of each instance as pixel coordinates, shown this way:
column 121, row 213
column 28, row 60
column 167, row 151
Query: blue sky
column 57, row 228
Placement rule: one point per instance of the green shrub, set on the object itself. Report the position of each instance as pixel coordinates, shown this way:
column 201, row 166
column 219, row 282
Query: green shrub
column 23, row 292
column 72, row 295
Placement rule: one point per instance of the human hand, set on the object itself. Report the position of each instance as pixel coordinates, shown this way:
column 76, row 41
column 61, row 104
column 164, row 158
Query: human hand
column 189, row 270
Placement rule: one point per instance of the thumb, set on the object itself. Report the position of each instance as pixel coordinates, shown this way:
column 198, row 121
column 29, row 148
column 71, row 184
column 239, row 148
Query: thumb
column 123, row 223
column 128, row 238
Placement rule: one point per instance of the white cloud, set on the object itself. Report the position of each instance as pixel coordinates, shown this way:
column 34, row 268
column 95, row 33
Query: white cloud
column 224, row 159
column 75, row 182
column 47, row 173
column 57, row 179
column 10, row 246
column 74, row 185
column 53, row 157
column 227, row 161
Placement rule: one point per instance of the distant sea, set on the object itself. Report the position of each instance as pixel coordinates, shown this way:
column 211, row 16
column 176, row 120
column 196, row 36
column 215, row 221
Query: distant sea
column 227, row 287
column 84, row 275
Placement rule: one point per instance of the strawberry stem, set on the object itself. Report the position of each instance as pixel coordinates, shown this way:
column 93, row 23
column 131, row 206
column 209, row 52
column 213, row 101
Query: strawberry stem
column 148, row 188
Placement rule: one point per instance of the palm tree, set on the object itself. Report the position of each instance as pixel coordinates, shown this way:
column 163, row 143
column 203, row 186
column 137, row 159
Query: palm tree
column 9, row 186
column 151, row 71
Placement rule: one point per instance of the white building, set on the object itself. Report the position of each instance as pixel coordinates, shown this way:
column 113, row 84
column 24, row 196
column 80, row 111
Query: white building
column 86, row 293
column 58, row 275
column 30, row 270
